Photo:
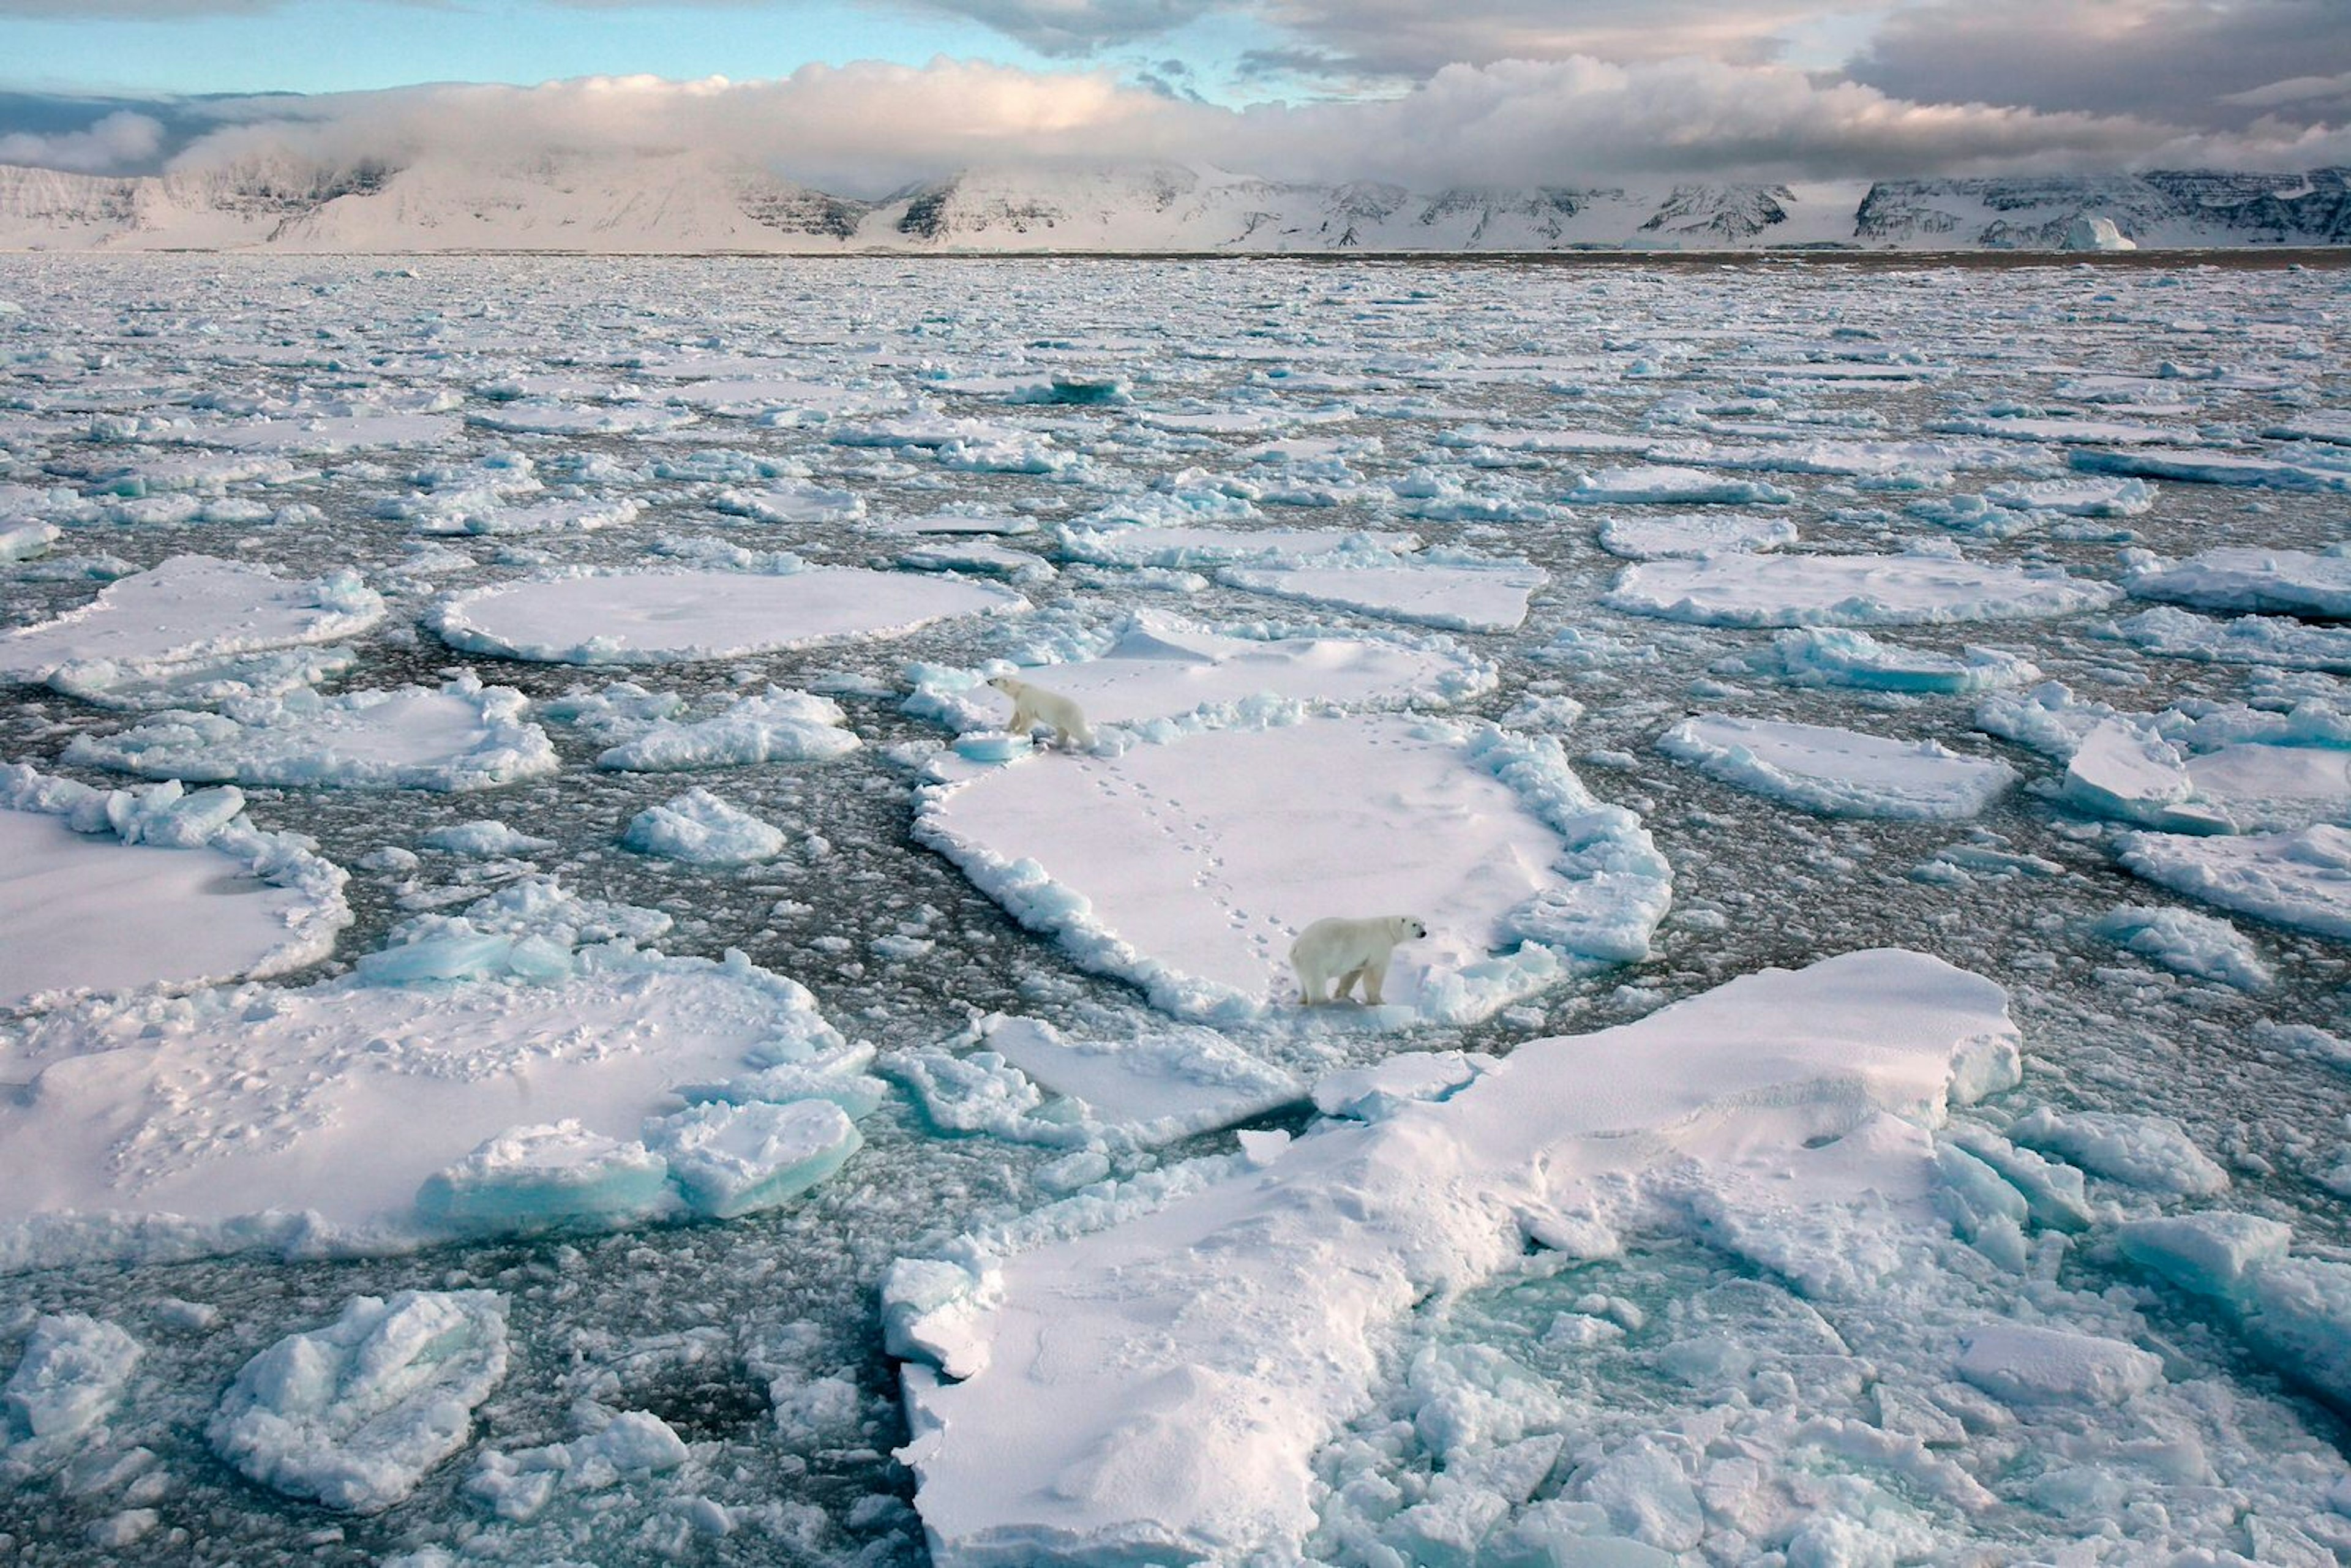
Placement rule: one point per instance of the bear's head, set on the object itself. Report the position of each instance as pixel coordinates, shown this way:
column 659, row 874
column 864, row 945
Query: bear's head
column 1008, row 685
column 1407, row 928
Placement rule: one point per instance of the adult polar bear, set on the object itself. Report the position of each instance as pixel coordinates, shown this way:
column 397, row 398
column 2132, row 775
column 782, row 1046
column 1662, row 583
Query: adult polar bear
column 1335, row 948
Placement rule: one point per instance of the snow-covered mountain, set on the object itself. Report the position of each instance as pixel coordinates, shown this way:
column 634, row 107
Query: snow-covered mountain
column 695, row 202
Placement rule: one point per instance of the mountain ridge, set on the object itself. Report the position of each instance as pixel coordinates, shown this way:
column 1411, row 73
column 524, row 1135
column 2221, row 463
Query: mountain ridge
column 675, row 202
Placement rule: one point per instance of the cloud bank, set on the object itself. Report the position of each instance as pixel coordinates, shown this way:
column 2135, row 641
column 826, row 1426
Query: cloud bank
column 869, row 128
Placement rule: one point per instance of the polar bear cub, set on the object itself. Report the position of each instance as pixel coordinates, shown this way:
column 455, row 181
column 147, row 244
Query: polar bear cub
column 1033, row 705
column 1347, row 951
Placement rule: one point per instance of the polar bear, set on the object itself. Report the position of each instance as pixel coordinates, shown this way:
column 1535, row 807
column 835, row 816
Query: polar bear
column 1348, row 951
column 1033, row 705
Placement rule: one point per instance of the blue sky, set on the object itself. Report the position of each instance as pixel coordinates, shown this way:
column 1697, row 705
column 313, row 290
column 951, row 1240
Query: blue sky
column 872, row 91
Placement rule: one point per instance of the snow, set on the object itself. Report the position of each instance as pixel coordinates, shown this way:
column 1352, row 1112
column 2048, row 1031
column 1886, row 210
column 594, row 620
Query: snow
column 1153, row 1088
column 1666, row 485
column 1158, row 668
column 1838, row 772
column 2187, row 943
column 1483, row 598
column 354, row 1415
column 1158, row 1388
column 2019, row 1364
column 775, row 725
column 1692, row 534
column 700, row 829
column 2287, row 582
column 1174, row 545
column 116, row 890
column 656, row 618
column 1189, row 867
column 463, row 736
column 199, row 1124
column 1840, row 656
column 2299, row 878
column 189, row 609
column 1847, row 591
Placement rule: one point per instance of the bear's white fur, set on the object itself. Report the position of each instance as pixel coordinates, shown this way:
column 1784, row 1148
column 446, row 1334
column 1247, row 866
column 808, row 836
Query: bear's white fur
column 1033, row 705
column 1348, row 951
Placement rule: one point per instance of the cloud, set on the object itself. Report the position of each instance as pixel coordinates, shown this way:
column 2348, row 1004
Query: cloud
column 866, row 129
column 123, row 140
column 2185, row 62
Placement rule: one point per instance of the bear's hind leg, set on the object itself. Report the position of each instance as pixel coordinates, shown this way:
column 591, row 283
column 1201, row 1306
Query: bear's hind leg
column 1375, row 977
column 1347, row 981
column 1310, row 987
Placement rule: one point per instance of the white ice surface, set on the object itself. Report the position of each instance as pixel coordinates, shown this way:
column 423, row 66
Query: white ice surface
column 1839, row 772
column 113, row 890
column 299, row 1118
column 1158, row 668
column 191, row 608
column 700, row 829
column 1457, row 598
column 1151, row 1088
column 1156, row 1391
column 775, row 725
column 1639, row 538
column 354, row 1414
column 2297, row 879
column 464, row 735
column 1175, row 544
column 1189, row 867
column 2239, row 577
column 654, row 618
column 1847, row 591
column 1844, row 656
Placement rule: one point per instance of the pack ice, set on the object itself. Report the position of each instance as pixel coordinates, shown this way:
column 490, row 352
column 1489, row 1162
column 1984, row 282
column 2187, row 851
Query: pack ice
column 1157, row 1390
column 1838, row 772
column 1735, row 589
column 521, row 1065
column 654, row 618
column 1189, row 867
column 114, row 889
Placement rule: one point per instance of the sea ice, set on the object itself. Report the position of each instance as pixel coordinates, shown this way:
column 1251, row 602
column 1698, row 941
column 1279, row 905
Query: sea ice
column 1178, row 546
column 2154, row 1154
column 656, row 618
column 1662, row 484
column 2245, row 640
column 732, row 1159
column 73, row 1373
column 354, row 1415
column 1843, row 656
column 1847, row 591
column 1457, row 596
column 700, row 829
column 1156, row 668
column 2187, row 944
column 2298, row 879
column 1189, row 867
column 2237, row 578
column 188, row 609
column 463, row 736
column 1152, row 1087
column 530, row 1177
column 1692, row 534
column 202, row 1123
column 2205, row 467
column 113, row 890
column 1838, row 772
column 775, row 725
column 1158, row 1389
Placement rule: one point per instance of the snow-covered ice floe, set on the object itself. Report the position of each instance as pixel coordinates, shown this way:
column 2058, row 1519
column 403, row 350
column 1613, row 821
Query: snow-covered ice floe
column 1637, row 537
column 668, row 617
column 1668, row 485
column 113, row 890
column 700, row 829
column 1157, row 1390
column 2298, row 879
column 190, row 609
column 521, row 1065
column 1838, row 772
column 1454, row 596
column 355, row 1414
column 2236, row 578
column 1189, row 867
column 1848, row 590
column 2245, row 640
column 464, row 735
column 1839, row 656
column 1157, row 670
column 2203, row 466
column 1175, row 545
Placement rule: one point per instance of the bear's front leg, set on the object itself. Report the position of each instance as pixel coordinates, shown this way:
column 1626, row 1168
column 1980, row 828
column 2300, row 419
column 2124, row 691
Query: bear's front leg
column 1022, row 722
column 1347, row 982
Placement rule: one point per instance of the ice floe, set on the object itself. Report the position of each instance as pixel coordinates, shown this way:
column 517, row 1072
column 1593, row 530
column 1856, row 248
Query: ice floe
column 655, row 618
column 1489, row 597
column 2244, row 639
column 191, row 610
column 1189, row 867
column 1173, row 545
column 1639, row 538
column 2206, row 466
column 2297, row 879
column 652, row 735
column 1839, row 772
column 700, row 829
column 1667, row 485
column 463, row 736
column 356, row 1112
column 2269, row 581
column 114, row 889
column 353, row 1414
column 1848, row 590
column 1840, row 656
column 1156, row 670
column 1159, row 1388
